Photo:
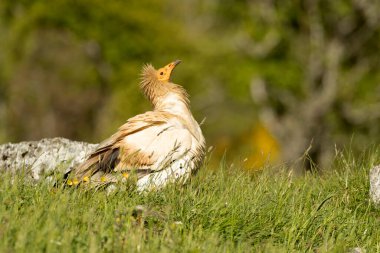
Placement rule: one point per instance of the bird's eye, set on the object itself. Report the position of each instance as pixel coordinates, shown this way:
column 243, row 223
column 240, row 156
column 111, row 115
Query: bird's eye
column 161, row 73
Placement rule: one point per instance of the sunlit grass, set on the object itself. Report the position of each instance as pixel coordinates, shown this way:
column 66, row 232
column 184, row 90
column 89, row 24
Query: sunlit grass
column 220, row 210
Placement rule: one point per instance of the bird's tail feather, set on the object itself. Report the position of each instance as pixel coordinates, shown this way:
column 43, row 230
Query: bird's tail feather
column 86, row 168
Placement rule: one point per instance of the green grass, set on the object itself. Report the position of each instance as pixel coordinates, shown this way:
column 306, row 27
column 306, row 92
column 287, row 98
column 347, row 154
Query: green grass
column 220, row 210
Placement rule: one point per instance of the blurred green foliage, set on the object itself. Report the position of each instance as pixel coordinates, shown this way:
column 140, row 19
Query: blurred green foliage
column 71, row 68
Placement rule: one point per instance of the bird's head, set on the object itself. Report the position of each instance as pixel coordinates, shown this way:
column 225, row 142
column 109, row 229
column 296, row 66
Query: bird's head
column 152, row 76
column 164, row 73
column 156, row 83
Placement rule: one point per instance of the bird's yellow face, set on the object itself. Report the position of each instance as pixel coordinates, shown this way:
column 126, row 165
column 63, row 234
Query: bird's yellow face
column 163, row 74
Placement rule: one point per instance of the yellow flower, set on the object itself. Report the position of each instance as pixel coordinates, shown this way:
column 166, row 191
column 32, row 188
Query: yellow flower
column 69, row 182
column 103, row 179
column 75, row 181
column 125, row 175
column 86, row 179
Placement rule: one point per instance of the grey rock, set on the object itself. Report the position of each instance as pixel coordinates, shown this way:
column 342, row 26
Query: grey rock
column 39, row 158
column 374, row 179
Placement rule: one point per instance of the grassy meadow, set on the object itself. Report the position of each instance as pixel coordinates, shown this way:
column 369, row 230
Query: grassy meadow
column 222, row 209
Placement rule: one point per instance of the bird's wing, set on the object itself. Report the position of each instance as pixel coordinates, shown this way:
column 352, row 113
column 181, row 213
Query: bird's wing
column 154, row 147
column 141, row 143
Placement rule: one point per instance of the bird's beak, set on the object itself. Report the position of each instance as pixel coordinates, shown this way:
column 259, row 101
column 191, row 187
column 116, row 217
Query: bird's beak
column 176, row 62
column 173, row 64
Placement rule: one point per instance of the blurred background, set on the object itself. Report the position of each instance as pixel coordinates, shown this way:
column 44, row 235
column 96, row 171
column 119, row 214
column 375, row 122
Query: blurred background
column 274, row 80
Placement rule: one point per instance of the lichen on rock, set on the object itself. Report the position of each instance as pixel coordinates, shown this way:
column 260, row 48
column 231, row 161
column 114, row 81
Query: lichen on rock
column 374, row 179
column 44, row 156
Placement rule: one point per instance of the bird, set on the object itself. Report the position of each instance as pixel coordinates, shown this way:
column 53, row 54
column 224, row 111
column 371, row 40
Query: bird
column 155, row 148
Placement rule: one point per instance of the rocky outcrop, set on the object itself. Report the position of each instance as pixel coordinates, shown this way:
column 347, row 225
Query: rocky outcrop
column 374, row 179
column 38, row 158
